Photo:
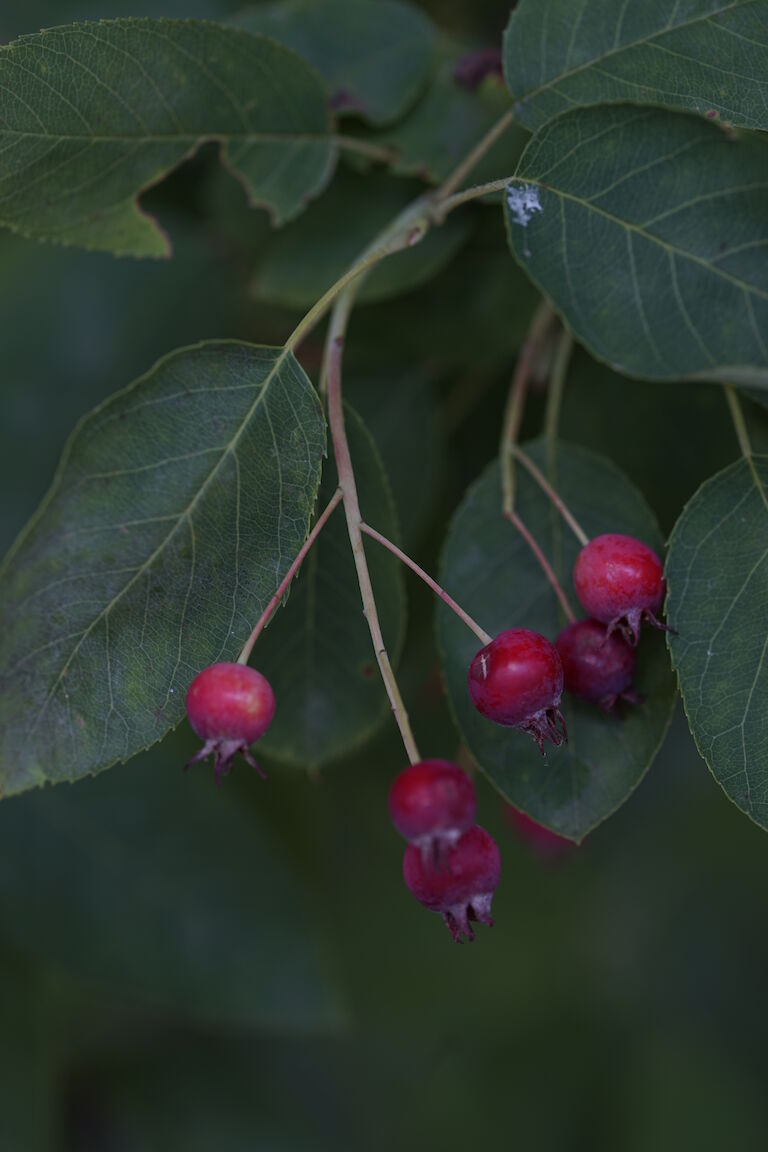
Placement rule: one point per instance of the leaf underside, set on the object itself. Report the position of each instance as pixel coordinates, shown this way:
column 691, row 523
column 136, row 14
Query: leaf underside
column 649, row 231
column 178, row 507
column 702, row 56
column 717, row 577
column 92, row 114
column 490, row 570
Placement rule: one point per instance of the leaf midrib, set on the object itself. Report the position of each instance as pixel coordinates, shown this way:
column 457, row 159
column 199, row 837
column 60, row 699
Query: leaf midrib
column 170, row 137
column 743, row 285
column 628, row 47
column 182, row 517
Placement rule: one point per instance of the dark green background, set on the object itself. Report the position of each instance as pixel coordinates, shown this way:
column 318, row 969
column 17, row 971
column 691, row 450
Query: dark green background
column 618, row 1004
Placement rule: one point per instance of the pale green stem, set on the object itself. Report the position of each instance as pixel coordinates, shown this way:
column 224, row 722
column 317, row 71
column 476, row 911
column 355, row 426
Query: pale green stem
column 551, row 494
column 462, row 170
column 513, row 414
column 557, row 385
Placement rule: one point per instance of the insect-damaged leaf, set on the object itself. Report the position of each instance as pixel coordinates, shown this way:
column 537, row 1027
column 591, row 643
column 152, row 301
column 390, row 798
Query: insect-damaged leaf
column 91, row 114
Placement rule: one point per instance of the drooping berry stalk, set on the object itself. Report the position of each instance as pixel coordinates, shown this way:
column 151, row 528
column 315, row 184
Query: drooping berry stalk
column 557, row 385
column 332, row 373
column 405, row 559
column 551, row 494
column 513, row 415
column 266, row 615
column 546, row 567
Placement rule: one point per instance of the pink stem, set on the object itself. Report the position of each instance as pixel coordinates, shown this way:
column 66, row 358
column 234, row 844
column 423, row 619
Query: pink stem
column 462, row 615
column 551, row 494
column 284, row 583
column 545, row 565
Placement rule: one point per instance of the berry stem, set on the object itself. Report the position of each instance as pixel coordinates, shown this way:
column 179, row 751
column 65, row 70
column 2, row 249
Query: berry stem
column 551, row 494
column 513, row 415
column 266, row 615
column 462, row 170
column 332, row 373
column 404, row 559
column 557, row 385
column 545, row 565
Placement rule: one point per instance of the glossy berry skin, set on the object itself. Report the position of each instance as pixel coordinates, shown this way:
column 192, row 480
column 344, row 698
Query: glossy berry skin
column 620, row 582
column 460, row 884
column 431, row 803
column 544, row 843
column 517, row 680
column 596, row 666
column 229, row 706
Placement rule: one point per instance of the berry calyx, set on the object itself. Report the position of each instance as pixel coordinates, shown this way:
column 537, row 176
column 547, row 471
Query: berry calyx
column 620, row 582
column 229, row 706
column 460, row 884
column 543, row 842
column 517, row 680
column 597, row 666
column 431, row 803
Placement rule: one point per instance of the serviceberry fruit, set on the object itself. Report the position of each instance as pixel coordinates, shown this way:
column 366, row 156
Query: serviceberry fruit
column 620, row 582
column 543, row 842
column 229, row 706
column 517, row 680
column 460, row 884
column 597, row 666
column 431, row 803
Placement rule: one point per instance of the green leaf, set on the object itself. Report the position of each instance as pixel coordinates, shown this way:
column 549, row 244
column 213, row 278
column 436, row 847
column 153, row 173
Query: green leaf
column 317, row 650
column 717, row 581
column 374, row 57
column 178, row 507
column 92, row 114
column 449, row 120
column 149, row 885
column 489, row 569
column 703, row 56
column 648, row 230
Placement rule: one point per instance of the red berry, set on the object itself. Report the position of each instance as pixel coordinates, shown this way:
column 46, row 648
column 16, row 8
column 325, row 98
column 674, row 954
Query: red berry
column 542, row 841
column 431, row 803
column 596, row 666
column 517, row 680
column 460, row 884
column 620, row 582
column 229, row 706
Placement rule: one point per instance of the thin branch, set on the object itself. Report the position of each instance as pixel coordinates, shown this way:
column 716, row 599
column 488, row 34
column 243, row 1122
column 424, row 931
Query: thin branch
column 366, row 148
column 285, row 582
column 545, row 565
column 334, row 352
column 414, row 229
column 557, row 385
column 462, row 170
column 481, row 634
column 551, row 494
column 476, row 192
column 516, row 402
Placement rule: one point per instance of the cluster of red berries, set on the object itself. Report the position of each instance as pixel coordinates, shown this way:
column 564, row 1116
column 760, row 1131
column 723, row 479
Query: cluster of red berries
column 518, row 679
column 451, row 865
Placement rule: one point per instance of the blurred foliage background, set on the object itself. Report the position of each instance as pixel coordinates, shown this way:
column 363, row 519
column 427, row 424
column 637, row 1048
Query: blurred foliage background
column 187, row 969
